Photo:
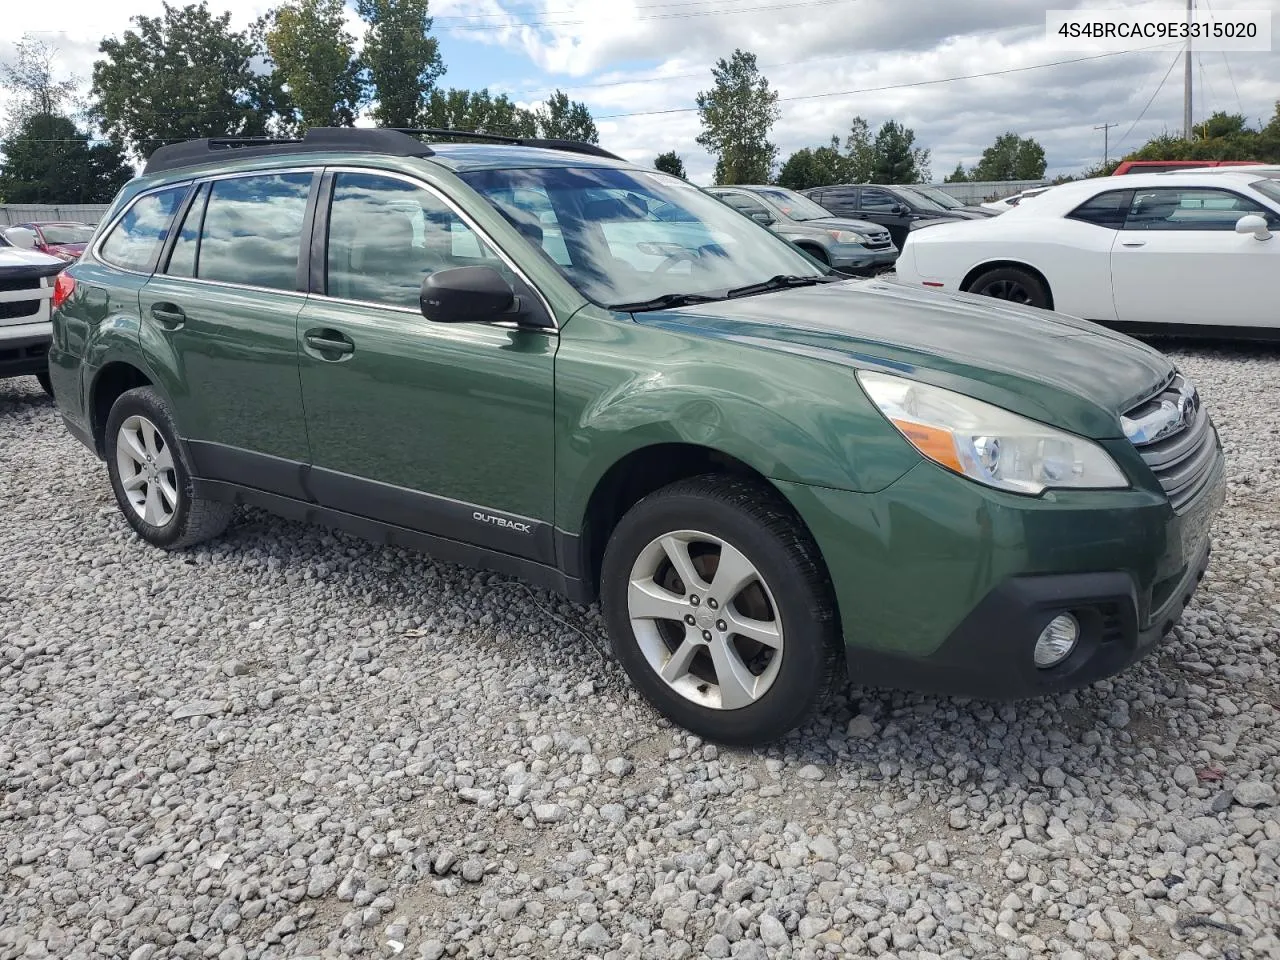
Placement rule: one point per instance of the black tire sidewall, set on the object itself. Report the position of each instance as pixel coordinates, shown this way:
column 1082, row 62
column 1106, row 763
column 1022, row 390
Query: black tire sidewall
column 46, row 384
column 145, row 402
column 803, row 677
column 1027, row 279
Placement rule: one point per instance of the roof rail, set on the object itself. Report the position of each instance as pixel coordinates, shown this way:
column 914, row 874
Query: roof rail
column 315, row 140
column 569, row 146
column 394, row 141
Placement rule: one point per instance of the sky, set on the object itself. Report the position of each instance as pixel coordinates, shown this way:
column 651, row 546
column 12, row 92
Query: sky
column 639, row 64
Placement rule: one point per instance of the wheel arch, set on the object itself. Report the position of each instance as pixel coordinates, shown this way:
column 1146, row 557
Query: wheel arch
column 998, row 264
column 109, row 383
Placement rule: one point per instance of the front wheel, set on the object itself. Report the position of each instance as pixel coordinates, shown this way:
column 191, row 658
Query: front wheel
column 1012, row 284
column 720, row 610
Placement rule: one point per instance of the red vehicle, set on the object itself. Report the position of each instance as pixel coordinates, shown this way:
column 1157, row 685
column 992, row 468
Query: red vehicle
column 1162, row 166
column 62, row 239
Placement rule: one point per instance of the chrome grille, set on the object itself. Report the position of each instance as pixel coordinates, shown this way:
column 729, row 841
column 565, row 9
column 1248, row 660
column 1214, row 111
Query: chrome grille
column 1176, row 439
column 25, row 300
column 878, row 240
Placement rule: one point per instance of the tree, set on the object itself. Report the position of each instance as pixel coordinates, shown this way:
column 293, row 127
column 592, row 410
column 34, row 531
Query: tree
column 737, row 114
column 478, row 110
column 30, row 78
column 1227, row 137
column 957, row 175
column 183, row 75
column 859, row 152
column 1011, row 157
column 314, row 59
column 818, row 167
column 402, row 58
column 564, row 119
column 897, row 158
column 670, row 162
column 47, row 160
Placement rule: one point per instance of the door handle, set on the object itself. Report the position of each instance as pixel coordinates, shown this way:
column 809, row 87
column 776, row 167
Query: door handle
column 169, row 315
column 329, row 341
column 1133, row 243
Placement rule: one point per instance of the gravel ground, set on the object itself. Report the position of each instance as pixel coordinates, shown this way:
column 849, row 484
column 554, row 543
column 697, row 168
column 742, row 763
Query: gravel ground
column 290, row 743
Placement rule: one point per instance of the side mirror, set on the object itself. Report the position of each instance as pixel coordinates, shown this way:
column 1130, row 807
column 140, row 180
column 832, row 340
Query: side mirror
column 467, row 295
column 762, row 218
column 898, row 209
column 1252, row 223
column 21, row 237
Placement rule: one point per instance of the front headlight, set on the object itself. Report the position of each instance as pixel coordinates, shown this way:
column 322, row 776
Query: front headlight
column 987, row 443
column 846, row 236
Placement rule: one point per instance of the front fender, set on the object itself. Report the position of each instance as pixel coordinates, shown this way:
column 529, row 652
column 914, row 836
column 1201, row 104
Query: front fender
column 792, row 418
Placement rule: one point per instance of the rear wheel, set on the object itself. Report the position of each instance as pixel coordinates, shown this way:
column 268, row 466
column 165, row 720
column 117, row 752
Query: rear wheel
column 720, row 610
column 151, row 481
column 1012, row 284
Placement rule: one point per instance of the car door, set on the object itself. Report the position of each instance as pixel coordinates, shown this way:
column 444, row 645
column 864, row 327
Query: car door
column 1179, row 260
column 444, row 429
column 882, row 207
column 219, row 324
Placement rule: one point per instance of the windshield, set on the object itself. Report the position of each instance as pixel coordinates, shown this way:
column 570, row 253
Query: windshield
column 630, row 236
column 920, row 200
column 60, row 233
column 940, row 197
column 1269, row 188
column 794, row 205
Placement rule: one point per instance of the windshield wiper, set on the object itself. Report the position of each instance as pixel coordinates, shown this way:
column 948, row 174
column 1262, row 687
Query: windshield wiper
column 664, row 302
column 780, row 282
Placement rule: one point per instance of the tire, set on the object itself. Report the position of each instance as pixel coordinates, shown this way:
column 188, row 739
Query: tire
column 818, row 254
column 45, row 383
column 182, row 519
column 1012, row 284
column 791, row 593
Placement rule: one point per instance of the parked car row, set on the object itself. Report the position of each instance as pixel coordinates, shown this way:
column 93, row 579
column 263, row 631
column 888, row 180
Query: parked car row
column 534, row 357
column 62, row 239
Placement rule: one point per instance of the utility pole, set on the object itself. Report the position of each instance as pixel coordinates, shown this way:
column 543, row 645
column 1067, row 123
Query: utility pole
column 1106, row 140
column 1186, row 80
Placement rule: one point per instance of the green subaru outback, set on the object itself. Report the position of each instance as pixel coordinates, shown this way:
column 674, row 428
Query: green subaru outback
column 533, row 357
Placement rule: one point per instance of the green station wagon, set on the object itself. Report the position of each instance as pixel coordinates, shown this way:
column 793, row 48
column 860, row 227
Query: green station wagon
column 535, row 358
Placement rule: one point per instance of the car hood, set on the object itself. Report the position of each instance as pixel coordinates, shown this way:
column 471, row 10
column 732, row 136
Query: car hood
column 1060, row 370
column 936, row 221
column 844, row 223
column 17, row 263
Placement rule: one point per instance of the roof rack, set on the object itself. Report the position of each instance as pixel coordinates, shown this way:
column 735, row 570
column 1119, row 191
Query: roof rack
column 570, row 146
column 393, row 141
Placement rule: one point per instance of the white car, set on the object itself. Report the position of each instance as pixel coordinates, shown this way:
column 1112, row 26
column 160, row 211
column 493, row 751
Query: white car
column 1008, row 203
column 26, row 288
column 1143, row 251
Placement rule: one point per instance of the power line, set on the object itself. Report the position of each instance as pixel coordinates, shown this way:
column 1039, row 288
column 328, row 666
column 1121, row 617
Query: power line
column 899, row 86
column 1106, row 130
column 657, row 16
column 1172, row 64
column 1225, row 62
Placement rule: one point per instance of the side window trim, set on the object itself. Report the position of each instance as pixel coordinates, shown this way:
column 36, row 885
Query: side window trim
column 200, row 195
column 150, row 268
column 1124, row 204
column 318, row 253
column 1224, row 191
column 322, row 225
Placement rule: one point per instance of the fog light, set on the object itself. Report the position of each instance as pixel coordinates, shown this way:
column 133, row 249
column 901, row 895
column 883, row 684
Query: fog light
column 1057, row 640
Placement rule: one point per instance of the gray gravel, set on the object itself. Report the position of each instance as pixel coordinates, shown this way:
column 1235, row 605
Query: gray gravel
column 294, row 744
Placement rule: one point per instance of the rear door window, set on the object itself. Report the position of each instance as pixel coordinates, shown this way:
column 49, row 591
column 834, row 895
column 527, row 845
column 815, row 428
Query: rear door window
column 878, row 201
column 1105, row 210
column 252, row 232
column 135, row 242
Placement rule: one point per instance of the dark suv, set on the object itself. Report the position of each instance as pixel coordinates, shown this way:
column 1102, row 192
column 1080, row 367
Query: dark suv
column 537, row 358
column 898, row 209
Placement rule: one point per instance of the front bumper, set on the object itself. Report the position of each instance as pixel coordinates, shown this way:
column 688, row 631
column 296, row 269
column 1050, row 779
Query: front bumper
column 860, row 261
column 24, row 350
column 943, row 585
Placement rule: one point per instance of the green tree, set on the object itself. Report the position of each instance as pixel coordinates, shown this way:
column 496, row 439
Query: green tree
column 47, row 160
column 897, row 158
column 1011, row 157
column 31, row 78
column 480, row 111
column 817, row 167
column 957, row 175
column 859, row 152
column 314, row 60
column 182, row 75
column 670, row 162
column 737, row 115
column 564, row 119
column 1227, row 137
column 402, row 58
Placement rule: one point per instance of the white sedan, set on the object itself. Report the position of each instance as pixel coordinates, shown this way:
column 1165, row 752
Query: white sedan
column 1182, row 250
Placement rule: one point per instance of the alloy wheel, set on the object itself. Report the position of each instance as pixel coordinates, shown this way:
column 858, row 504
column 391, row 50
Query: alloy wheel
column 147, row 472
column 1010, row 290
column 705, row 619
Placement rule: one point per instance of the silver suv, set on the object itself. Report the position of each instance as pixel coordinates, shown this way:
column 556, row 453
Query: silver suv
column 854, row 247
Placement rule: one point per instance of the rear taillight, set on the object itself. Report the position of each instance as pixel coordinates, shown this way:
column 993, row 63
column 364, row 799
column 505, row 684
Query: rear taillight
column 63, row 287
